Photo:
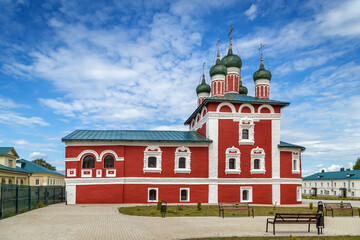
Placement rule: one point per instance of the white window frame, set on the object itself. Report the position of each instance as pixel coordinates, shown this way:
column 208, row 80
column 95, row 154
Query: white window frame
column 152, row 151
column 185, row 153
column 250, row 197
column 298, row 194
column 35, row 180
column 295, row 157
column 110, row 174
column 10, row 163
column 69, row 174
column 246, row 123
column 258, row 153
column 232, row 152
column 84, row 174
column 157, row 194
column 187, row 194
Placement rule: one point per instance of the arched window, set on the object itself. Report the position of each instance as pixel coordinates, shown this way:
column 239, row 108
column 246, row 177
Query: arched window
column 257, row 164
column 245, row 134
column 294, row 165
column 88, row 162
column 182, row 162
column 153, row 194
column 184, row 194
column 245, row 195
column 152, row 162
column 109, row 161
column 232, row 163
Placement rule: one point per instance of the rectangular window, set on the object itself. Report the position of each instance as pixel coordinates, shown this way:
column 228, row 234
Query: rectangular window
column 152, row 194
column 182, row 162
column 344, row 184
column 304, row 191
column 152, row 162
column 352, row 184
column 321, row 192
column 232, row 163
column 335, row 184
column 315, row 184
column 37, row 182
column 10, row 163
column 334, row 193
column 246, row 194
column 304, row 184
column 184, row 194
column 321, row 184
column 352, row 194
column 328, row 184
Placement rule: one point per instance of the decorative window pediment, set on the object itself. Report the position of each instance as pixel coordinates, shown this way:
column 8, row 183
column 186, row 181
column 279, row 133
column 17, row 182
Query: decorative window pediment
column 182, row 160
column 246, row 131
column 296, row 162
column 257, row 160
column 232, row 162
column 152, row 159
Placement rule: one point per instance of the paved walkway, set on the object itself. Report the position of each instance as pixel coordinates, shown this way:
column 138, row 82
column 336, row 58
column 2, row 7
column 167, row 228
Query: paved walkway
column 60, row 221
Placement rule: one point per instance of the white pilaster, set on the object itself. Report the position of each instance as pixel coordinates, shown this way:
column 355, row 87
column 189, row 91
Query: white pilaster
column 71, row 194
column 276, row 194
column 212, row 132
column 275, row 153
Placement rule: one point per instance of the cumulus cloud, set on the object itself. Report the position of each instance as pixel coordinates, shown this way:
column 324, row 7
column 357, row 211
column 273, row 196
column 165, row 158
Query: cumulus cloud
column 36, row 155
column 334, row 167
column 251, row 13
column 320, row 165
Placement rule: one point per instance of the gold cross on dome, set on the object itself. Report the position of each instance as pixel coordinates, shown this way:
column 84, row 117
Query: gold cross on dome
column 261, row 49
column 229, row 34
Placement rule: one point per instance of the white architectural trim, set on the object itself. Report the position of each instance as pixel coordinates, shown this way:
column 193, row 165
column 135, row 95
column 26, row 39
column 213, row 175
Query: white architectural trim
column 152, row 151
column 298, row 194
column 70, row 194
column 266, row 106
column 143, row 144
column 232, row 153
column 258, row 153
column 157, row 194
column 250, row 195
column 187, row 181
column 85, row 152
column 246, row 124
column 230, row 105
column 185, row 153
column 203, row 110
column 105, row 152
column 275, row 151
column 71, row 172
column 110, row 172
column 295, row 162
column 247, row 105
column 213, row 193
column 276, row 193
column 86, row 172
column 98, row 172
column 235, row 70
column 187, row 194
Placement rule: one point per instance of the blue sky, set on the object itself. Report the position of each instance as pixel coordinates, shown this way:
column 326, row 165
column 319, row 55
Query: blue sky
column 67, row 65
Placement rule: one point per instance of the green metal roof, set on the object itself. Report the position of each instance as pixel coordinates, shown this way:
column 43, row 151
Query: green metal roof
column 235, row 98
column 6, row 150
column 35, row 168
column 135, row 135
column 285, row 144
column 17, row 169
column 340, row 175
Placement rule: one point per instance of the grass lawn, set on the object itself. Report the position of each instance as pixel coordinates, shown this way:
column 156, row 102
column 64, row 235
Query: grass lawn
column 283, row 238
column 191, row 211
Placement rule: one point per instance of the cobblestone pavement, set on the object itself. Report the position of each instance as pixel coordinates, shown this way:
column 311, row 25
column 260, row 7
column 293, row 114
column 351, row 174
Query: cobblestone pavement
column 103, row 221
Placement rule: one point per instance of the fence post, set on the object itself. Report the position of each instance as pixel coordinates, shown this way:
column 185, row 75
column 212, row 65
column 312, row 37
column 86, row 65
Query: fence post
column 17, row 199
column 29, row 197
column 1, row 200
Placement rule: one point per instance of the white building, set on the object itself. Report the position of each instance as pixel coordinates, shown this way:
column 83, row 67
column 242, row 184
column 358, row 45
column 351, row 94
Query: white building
column 341, row 183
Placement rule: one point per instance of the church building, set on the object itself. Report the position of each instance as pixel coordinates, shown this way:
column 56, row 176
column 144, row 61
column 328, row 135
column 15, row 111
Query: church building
column 231, row 153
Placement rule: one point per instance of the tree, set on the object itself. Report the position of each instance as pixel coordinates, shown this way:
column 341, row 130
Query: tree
column 357, row 164
column 43, row 163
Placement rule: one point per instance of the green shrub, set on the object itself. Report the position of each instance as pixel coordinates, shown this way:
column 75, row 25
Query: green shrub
column 158, row 205
column 199, row 205
column 40, row 205
column 311, row 205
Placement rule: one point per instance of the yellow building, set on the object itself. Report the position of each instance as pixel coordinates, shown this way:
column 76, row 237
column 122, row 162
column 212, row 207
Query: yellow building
column 9, row 172
column 41, row 176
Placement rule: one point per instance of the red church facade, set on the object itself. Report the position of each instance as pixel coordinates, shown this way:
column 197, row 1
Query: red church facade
column 231, row 153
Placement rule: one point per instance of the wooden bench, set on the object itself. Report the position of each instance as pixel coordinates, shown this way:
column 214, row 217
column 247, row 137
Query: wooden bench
column 294, row 218
column 235, row 207
column 341, row 207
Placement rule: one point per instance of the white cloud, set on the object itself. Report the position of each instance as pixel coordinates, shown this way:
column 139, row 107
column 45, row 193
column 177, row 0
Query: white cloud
column 36, row 155
column 251, row 13
column 334, row 167
column 320, row 165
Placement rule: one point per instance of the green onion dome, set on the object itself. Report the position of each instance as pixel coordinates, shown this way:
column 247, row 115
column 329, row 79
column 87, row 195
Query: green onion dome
column 203, row 87
column 262, row 73
column 243, row 90
column 231, row 60
column 218, row 68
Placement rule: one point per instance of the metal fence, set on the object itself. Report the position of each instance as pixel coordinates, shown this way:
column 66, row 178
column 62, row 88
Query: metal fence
column 18, row 198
